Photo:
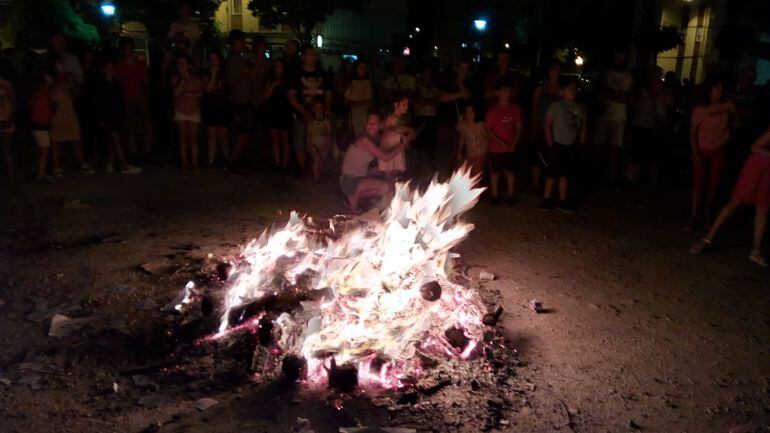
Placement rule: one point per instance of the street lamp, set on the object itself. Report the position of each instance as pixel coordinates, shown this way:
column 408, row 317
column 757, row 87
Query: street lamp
column 507, row 45
column 108, row 9
column 417, row 30
column 579, row 61
column 319, row 41
column 480, row 24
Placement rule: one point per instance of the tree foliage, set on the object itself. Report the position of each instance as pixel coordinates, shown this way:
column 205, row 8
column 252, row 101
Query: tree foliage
column 34, row 21
column 302, row 16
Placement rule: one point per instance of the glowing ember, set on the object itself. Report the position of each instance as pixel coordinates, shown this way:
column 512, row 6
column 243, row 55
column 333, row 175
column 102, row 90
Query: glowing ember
column 388, row 302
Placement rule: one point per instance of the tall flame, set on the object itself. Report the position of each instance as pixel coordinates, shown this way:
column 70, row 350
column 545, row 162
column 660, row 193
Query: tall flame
column 374, row 271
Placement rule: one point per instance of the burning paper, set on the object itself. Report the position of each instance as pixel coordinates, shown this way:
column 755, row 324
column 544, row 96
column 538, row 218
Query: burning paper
column 386, row 298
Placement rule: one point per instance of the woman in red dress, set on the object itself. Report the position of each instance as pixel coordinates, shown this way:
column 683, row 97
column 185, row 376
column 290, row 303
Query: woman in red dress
column 753, row 188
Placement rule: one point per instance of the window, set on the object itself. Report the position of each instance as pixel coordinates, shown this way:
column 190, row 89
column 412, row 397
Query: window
column 236, row 7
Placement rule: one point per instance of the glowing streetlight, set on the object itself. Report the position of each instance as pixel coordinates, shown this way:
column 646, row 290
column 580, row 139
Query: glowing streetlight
column 417, row 30
column 507, row 45
column 464, row 45
column 480, row 24
column 435, row 47
column 407, row 51
column 108, row 9
column 410, row 36
column 579, row 61
column 319, row 41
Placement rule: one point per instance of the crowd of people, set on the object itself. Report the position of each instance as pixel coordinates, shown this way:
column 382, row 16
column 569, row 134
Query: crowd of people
column 376, row 123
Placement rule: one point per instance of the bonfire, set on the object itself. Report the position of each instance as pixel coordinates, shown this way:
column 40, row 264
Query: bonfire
column 374, row 294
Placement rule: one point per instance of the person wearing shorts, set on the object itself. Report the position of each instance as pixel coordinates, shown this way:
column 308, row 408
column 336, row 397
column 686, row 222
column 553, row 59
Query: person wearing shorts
column 310, row 82
column 617, row 91
column 188, row 90
column 504, row 125
column 565, row 127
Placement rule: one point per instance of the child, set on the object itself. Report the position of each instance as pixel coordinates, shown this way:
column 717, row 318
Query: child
column 188, row 90
column 709, row 134
column 752, row 187
column 504, row 125
column 355, row 181
column 108, row 112
column 395, row 133
column 473, row 140
column 65, row 126
column 7, row 125
column 319, row 136
column 565, row 127
column 41, row 116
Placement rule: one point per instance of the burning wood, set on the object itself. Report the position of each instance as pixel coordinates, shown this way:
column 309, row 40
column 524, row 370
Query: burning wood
column 361, row 301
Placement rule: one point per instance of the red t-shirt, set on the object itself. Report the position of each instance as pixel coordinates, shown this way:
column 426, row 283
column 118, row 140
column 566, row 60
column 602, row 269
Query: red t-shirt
column 503, row 121
column 132, row 78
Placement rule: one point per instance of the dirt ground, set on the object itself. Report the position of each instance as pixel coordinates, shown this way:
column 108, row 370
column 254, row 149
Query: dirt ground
column 638, row 334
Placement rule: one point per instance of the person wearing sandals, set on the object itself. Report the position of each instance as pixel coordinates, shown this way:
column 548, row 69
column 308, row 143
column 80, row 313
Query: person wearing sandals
column 753, row 188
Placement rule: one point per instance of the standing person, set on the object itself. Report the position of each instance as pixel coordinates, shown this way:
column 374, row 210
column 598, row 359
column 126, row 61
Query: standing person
column 108, row 112
column 425, row 104
column 565, row 128
column 455, row 94
column 131, row 72
column 504, row 124
column 709, row 134
column 185, row 27
column 40, row 118
column 616, row 92
column 650, row 107
column 501, row 71
column 278, row 113
column 65, row 126
column 395, row 132
column 359, row 97
column 188, row 90
column 7, row 122
column 400, row 81
column 70, row 64
column 753, row 188
column 259, row 71
column 355, row 181
column 240, row 92
column 214, row 108
column 473, row 140
column 319, row 136
column 311, row 82
column 544, row 95
column 291, row 58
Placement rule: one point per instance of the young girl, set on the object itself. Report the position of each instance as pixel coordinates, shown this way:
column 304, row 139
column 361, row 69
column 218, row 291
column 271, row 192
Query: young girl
column 215, row 108
column 394, row 134
column 709, row 133
column 752, row 187
column 355, row 181
column 188, row 89
column 473, row 140
column 319, row 136
column 65, row 126
column 7, row 125
column 41, row 114
column 278, row 114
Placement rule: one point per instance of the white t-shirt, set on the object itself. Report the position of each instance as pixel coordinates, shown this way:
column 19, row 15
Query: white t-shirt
column 619, row 81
